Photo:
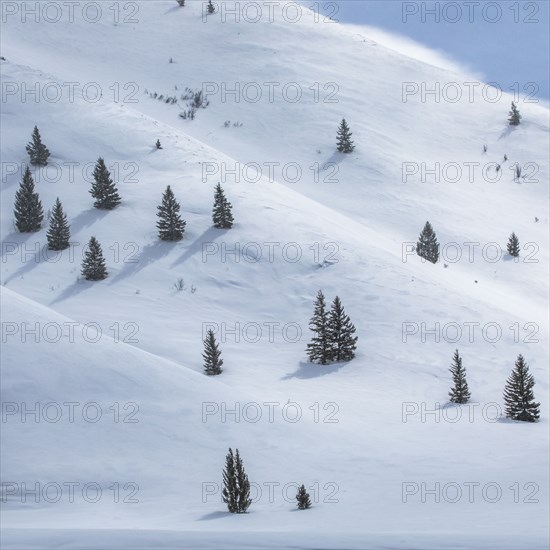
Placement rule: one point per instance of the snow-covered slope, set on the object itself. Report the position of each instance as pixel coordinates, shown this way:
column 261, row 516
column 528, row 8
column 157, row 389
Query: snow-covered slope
column 345, row 237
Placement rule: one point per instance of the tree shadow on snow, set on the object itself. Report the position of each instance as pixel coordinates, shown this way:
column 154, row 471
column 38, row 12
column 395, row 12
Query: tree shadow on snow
column 313, row 370
column 209, row 236
column 214, row 515
column 150, row 254
column 76, row 288
column 86, row 219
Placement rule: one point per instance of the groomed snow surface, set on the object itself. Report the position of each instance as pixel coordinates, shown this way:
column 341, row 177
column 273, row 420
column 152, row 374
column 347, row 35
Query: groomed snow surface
column 129, row 427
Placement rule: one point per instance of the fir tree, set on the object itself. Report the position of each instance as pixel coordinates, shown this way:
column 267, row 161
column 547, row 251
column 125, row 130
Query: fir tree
column 344, row 143
column 103, row 189
column 427, row 246
column 236, row 487
column 221, row 213
column 28, row 208
column 59, row 232
column 38, row 152
column 170, row 225
column 515, row 117
column 158, row 145
column 513, row 245
column 93, row 264
column 519, row 398
column 181, row 3
column 459, row 392
column 212, row 355
column 210, row 8
column 303, row 499
column 319, row 349
column 341, row 333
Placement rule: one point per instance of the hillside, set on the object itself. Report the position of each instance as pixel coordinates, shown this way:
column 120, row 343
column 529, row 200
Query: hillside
column 292, row 238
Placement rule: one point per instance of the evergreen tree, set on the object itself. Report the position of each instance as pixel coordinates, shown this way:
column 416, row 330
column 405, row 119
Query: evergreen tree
column 319, row 349
column 212, row 355
column 103, row 189
column 303, row 499
column 243, row 485
column 59, row 232
column 170, row 225
column 158, row 145
column 344, row 143
column 38, row 152
column 515, row 117
column 513, row 245
column 28, row 208
column 221, row 213
column 459, row 392
column 519, row 398
column 427, row 246
column 181, row 3
column 236, row 487
column 93, row 264
column 210, row 8
column 340, row 333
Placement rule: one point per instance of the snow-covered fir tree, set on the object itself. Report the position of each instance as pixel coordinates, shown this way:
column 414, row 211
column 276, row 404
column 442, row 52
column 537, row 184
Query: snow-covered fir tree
column 515, row 117
column 513, row 245
column 221, row 212
column 459, row 392
column 344, row 144
column 103, row 189
column 427, row 246
column 59, row 232
column 236, row 487
column 319, row 350
column 37, row 151
column 210, row 7
column 212, row 355
column 93, row 264
column 170, row 225
column 341, row 333
column 28, row 208
column 519, row 399
column 303, row 498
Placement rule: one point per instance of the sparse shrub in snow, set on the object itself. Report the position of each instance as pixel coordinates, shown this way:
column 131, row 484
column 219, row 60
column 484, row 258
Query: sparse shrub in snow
column 427, row 246
column 93, row 264
column 37, row 151
column 236, row 487
column 237, row 124
column 517, row 172
column 28, row 208
column 485, row 148
column 59, row 233
column 303, row 498
column 170, row 225
column 513, row 245
column 344, row 144
column 210, row 7
column 212, row 355
column 515, row 117
column 459, row 392
column 103, row 189
column 221, row 213
column 519, row 398
column 179, row 285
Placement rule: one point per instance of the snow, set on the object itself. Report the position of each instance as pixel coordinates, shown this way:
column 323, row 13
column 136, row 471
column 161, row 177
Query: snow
column 149, row 352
